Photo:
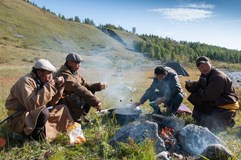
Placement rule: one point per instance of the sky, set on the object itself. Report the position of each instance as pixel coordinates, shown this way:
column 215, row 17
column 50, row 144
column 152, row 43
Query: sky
column 214, row 22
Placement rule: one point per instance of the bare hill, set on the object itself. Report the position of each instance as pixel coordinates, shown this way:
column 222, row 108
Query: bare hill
column 28, row 33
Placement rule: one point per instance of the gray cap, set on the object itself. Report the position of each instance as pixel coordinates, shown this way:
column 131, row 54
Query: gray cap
column 74, row 57
column 45, row 65
column 202, row 60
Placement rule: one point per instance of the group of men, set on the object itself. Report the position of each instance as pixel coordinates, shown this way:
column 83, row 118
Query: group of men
column 40, row 105
column 213, row 96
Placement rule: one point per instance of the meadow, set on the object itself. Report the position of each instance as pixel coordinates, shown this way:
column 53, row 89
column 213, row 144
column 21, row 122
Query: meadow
column 126, row 86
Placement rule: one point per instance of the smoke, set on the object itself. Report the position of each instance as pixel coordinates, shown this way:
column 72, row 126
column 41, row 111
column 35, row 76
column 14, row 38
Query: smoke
column 123, row 74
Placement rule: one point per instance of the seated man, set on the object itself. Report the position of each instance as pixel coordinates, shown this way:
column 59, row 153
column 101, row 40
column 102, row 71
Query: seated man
column 29, row 100
column 213, row 97
column 79, row 94
column 165, row 89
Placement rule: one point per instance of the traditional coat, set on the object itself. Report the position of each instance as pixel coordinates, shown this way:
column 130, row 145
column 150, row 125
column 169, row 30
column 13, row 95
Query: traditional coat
column 214, row 99
column 78, row 91
column 214, row 89
column 27, row 99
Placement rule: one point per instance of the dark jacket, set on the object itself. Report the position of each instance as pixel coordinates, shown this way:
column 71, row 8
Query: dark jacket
column 215, row 89
column 168, row 87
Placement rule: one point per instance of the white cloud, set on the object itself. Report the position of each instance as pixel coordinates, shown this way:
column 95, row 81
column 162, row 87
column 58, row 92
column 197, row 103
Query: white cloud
column 189, row 12
column 199, row 5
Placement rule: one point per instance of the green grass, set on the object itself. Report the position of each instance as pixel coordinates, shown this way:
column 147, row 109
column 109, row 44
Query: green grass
column 46, row 36
column 97, row 135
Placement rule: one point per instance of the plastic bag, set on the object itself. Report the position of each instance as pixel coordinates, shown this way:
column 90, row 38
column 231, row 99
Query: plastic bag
column 75, row 134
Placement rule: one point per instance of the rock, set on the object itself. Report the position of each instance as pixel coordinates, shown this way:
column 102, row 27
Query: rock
column 195, row 139
column 217, row 152
column 170, row 122
column 162, row 156
column 138, row 131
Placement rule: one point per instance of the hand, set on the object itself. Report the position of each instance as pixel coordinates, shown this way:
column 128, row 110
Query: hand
column 189, row 83
column 52, row 82
column 59, row 81
column 203, row 82
column 103, row 85
column 98, row 107
column 136, row 104
column 159, row 100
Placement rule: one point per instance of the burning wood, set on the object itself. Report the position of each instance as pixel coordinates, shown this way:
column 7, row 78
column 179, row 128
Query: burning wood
column 168, row 136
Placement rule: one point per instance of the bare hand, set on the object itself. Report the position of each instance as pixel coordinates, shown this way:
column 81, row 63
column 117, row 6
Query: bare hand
column 52, row 82
column 136, row 104
column 103, row 85
column 189, row 83
column 59, row 81
column 98, row 107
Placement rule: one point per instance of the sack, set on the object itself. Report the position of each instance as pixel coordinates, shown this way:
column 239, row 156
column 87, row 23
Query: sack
column 75, row 134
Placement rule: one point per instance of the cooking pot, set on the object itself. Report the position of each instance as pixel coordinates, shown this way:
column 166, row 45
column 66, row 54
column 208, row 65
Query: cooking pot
column 124, row 115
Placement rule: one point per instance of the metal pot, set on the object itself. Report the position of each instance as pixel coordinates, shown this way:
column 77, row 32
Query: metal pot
column 124, row 115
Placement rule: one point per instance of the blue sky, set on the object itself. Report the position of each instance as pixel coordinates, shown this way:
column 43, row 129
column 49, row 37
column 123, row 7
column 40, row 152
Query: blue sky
column 215, row 22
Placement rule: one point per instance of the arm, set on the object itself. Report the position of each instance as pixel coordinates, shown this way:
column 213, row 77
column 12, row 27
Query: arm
column 148, row 92
column 74, row 85
column 213, row 90
column 33, row 98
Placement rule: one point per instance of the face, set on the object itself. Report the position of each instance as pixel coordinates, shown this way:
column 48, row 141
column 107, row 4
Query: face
column 205, row 68
column 45, row 76
column 161, row 76
column 75, row 66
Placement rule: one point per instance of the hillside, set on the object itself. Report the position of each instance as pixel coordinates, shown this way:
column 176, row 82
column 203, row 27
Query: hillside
column 28, row 32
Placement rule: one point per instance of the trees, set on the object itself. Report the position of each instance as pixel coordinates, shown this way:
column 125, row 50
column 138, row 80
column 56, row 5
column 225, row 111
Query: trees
column 133, row 30
column 77, row 19
column 89, row 21
column 166, row 49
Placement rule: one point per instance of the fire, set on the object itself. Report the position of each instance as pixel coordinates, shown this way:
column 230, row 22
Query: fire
column 167, row 135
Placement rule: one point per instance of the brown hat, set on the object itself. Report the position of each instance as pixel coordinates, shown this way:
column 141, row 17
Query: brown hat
column 202, row 60
column 74, row 57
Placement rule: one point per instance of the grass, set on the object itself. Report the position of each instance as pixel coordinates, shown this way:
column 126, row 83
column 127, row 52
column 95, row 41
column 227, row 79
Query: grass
column 41, row 35
column 98, row 134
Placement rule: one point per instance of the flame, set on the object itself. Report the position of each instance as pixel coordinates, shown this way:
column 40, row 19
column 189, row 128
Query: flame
column 167, row 134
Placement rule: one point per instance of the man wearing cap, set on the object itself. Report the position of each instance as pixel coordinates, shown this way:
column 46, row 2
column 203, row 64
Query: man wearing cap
column 165, row 89
column 213, row 97
column 31, row 104
column 79, row 95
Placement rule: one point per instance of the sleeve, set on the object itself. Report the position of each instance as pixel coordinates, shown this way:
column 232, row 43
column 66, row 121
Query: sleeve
column 213, row 90
column 34, row 98
column 175, row 86
column 57, row 96
column 149, row 91
column 193, row 88
column 92, row 87
column 74, row 86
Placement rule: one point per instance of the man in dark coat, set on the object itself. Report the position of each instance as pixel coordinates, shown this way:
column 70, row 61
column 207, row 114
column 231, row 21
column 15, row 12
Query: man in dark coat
column 165, row 89
column 213, row 96
column 78, row 94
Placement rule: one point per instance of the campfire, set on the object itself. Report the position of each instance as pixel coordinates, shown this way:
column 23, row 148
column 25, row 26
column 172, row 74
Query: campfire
column 167, row 135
